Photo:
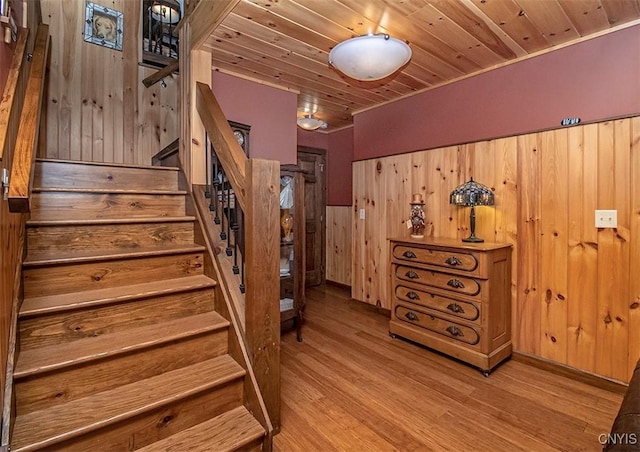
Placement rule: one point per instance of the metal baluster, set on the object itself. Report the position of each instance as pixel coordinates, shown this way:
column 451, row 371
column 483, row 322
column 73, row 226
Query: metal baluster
column 213, row 205
column 223, row 232
column 229, row 219
column 242, row 251
column 207, row 169
column 236, row 233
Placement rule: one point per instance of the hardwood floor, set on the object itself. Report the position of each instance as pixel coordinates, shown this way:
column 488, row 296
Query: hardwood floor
column 350, row 386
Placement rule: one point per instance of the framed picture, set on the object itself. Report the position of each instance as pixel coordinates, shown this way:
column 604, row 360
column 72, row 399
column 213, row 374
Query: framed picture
column 103, row 26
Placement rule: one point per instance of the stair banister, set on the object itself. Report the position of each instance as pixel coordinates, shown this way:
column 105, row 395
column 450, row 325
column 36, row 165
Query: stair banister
column 256, row 186
column 21, row 176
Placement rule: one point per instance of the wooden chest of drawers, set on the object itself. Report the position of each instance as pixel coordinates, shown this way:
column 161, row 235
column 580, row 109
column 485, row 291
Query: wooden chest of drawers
column 453, row 297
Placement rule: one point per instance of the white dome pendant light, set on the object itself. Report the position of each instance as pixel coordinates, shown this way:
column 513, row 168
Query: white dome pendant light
column 370, row 57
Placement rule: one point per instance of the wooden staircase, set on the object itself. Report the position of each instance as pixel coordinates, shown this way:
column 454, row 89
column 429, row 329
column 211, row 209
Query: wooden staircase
column 120, row 347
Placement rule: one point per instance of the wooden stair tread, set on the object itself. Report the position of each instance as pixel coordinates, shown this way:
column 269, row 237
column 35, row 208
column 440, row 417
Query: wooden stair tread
column 227, row 432
column 33, row 259
column 108, row 191
column 62, row 422
column 110, row 164
column 101, row 221
column 45, row 359
column 77, row 300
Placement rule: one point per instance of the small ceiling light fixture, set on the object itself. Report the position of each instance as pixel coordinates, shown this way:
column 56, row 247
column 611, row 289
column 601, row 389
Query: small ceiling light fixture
column 310, row 123
column 370, row 57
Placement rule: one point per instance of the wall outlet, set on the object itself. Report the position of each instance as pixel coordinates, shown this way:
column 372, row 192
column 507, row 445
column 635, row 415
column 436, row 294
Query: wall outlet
column 606, row 218
column 362, row 214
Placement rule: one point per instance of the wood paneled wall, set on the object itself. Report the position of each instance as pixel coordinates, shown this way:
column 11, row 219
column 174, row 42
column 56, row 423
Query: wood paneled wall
column 575, row 290
column 338, row 249
column 97, row 108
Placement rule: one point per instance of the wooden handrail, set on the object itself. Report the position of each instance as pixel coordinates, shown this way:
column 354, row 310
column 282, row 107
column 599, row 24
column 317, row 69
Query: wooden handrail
column 160, row 74
column 14, row 90
column 24, row 157
column 229, row 152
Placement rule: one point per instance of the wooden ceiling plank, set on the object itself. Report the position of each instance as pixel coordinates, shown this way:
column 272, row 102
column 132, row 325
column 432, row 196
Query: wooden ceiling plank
column 498, row 32
column 512, row 19
column 550, row 19
column 467, row 19
column 244, row 45
column 620, row 11
column 291, row 79
column 206, row 16
column 443, row 27
column 320, row 75
column 402, row 27
column 587, row 15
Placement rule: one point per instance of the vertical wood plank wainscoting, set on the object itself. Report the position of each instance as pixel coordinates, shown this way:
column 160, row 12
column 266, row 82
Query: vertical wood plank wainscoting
column 338, row 266
column 575, row 296
column 98, row 110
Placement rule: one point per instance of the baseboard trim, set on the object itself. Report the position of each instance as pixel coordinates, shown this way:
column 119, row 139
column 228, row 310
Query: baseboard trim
column 582, row 376
column 338, row 284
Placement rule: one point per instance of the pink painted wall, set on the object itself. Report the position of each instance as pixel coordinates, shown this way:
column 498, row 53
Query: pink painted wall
column 270, row 112
column 339, row 147
column 313, row 139
column 339, row 175
column 594, row 80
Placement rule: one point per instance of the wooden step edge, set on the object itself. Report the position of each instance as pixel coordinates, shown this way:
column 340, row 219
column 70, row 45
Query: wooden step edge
column 229, row 431
column 77, row 258
column 54, row 357
column 122, row 403
column 105, row 221
column 49, row 304
column 116, row 165
column 108, row 191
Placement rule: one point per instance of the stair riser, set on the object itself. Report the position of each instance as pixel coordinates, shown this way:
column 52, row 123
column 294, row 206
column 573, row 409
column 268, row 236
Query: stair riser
column 140, row 431
column 69, row 326
column 59, row 279
column 103, row 177
column 111, row 237
column 83, row 206
column 53, row 388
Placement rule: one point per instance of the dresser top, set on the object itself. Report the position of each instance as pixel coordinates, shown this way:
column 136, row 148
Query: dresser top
column 457, row 243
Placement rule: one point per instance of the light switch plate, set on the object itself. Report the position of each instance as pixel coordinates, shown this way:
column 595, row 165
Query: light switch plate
column 362, row 214
column 606, row 218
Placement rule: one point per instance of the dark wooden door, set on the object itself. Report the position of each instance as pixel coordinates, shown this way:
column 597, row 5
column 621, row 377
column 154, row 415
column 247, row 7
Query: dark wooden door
column 312, row 162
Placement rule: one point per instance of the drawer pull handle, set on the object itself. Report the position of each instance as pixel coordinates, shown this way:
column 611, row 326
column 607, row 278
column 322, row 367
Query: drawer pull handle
column 413, row 296
column 455, row 307
column 409, row 254
column 411, row 275
column 411, row 316
column 452, row 330
column 453, row 261
column 455, row 283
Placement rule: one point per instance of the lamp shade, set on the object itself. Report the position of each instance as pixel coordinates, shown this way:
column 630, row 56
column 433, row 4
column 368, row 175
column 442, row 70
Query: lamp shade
column 370, row 57
column 310, row 123
column 472, row 193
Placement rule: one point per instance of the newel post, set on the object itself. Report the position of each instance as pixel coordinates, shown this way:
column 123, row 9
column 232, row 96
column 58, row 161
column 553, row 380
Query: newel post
column 262, row 307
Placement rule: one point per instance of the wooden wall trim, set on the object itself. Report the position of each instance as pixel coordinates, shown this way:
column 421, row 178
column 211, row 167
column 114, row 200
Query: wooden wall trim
column 572, row 373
